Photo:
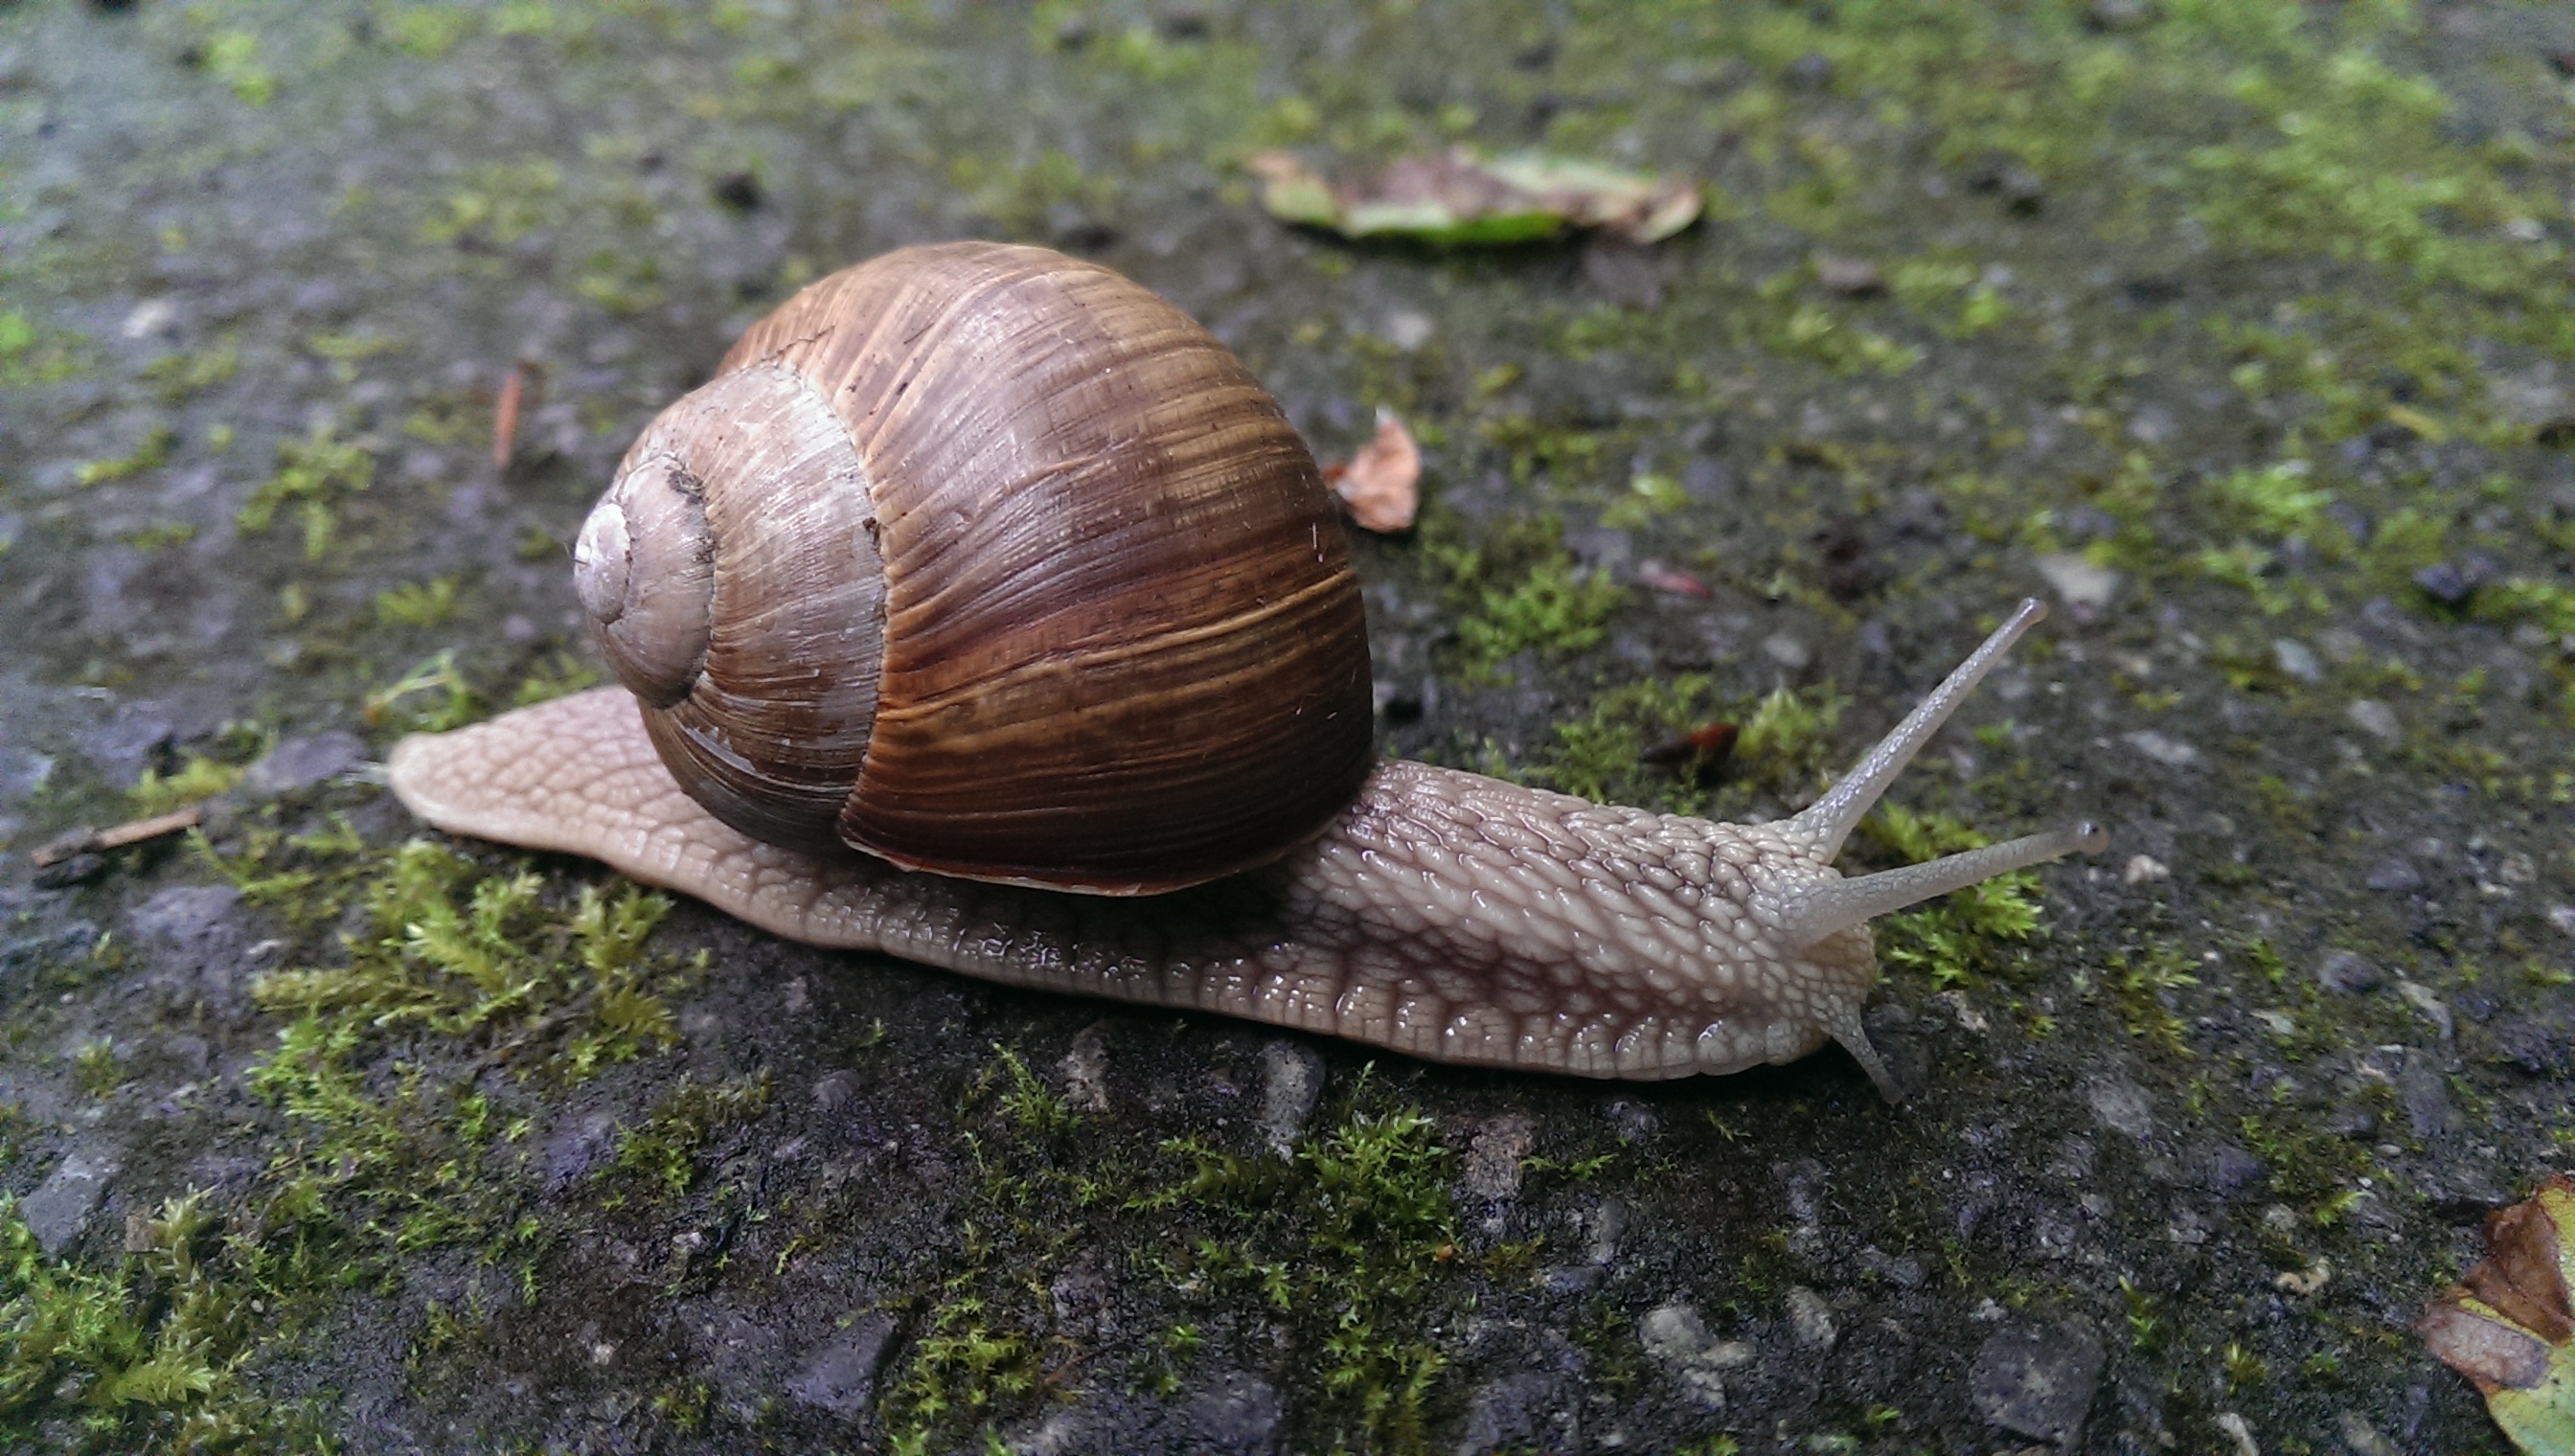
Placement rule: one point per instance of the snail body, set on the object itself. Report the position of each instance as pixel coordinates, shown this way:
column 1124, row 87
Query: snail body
column 995, row 569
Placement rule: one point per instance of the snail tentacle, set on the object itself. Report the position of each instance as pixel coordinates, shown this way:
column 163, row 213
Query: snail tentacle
column 1829, row 820
column 1836, row 906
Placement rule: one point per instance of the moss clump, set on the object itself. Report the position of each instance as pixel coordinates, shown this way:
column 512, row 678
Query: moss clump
column 663, row 1151
column 462, row 953
column 1602, row 756
column 962, row 1364
column 1516, row 590
column 182, row 375
column 2142, row 980
column 314, row 475
column 2546, row 604
column 150, row 453
column 1958, row 938
column 1024, row 196
column 417, row 603
column 499, row 203
column 95, row 1069
column 1787, row 735
column 451, row 971
column 436, row 695
column 2277, row 500
column 557, row 676
column 160, row 535
column 32, row 356
column 1553, row 607
column 1951, row 294
column 146, row 1356
column 1813, row 331
column 431, row 697
column 1349, row 1242
column 193, row 781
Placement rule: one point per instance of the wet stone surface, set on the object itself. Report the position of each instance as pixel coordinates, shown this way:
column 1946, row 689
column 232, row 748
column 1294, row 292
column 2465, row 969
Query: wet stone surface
column 2238, row 333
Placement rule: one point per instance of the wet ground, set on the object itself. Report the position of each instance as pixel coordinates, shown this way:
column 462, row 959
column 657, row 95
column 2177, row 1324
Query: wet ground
column 2238, row 329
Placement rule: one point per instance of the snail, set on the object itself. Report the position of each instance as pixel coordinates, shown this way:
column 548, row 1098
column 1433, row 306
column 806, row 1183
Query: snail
column 983, row 611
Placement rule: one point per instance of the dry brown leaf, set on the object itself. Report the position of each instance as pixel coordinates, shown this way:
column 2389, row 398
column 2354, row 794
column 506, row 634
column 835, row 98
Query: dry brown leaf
column 1380, row 486
column 2507, row 1324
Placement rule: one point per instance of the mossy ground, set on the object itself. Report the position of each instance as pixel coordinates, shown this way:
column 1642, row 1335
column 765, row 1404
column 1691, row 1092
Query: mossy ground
column 2262, row 306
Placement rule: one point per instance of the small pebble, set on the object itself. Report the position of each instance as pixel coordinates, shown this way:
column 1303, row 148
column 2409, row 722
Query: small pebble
column 2120, row 14
column 2345, row 971
column 1292, row 1079
column 2122, row 1107
column 2422, row 999
column 303, row 763
column 2298, row 660
column 1492, row 1164
column 1663, row 578
column 2359, row 1438
column 2020, row 188
column 841, row 1377
column 2170, row 751
column 2444, row 582
column 1811, row 1319
column 2084, row 587
column 1855, row 277
column 2425, row 1094
column 1085, row 1071
column 1674, row 1335
column 64, row 873
column 1962, row 1010
column 2145, row 869
column 2037, row 1380
column 2395, row 877
column 60, row 1206
column 2305, row 1283
column 152, row 316
column 1905, row 1273
column 2375, row 718
column 1408, row 328
column 2231, row 1170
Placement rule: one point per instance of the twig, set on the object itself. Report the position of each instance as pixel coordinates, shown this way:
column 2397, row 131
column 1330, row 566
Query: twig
column 505, row 415
column 133, row 832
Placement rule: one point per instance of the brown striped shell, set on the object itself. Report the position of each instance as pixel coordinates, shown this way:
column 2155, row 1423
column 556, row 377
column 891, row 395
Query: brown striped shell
column 991, row 563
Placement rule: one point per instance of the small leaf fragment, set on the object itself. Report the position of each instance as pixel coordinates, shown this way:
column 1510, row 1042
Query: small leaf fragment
column 1671, row 581
column 1459, row 198
column 2507, row 1324
column 1379, row 485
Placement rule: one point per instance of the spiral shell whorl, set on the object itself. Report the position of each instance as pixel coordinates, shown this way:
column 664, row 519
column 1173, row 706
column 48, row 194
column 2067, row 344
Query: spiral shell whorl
column 1012, row 571
column 756, row 629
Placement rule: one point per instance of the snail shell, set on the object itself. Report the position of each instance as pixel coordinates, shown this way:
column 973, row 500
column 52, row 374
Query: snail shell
column 993, row 564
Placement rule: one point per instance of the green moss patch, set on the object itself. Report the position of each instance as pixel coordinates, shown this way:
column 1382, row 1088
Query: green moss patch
column 1352, row 1241
column 147, row 1355
column 1963, row 938
column 314, row 475
column 1515, row 589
